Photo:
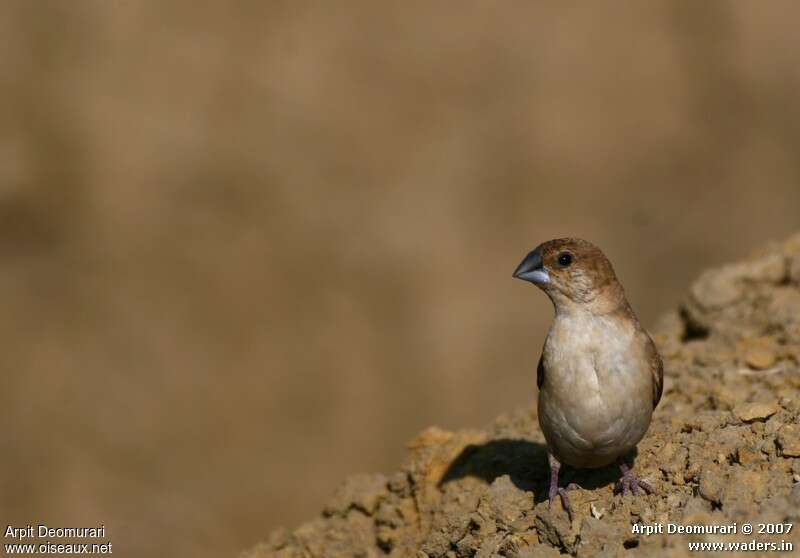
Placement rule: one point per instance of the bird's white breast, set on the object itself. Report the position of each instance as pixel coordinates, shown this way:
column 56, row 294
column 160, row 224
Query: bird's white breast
column 595, row 401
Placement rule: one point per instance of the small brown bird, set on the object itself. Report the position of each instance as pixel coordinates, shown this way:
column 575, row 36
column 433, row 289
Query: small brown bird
column 599, row 376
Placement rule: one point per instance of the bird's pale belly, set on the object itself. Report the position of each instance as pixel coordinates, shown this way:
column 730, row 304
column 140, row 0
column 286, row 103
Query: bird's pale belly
column 583, row 430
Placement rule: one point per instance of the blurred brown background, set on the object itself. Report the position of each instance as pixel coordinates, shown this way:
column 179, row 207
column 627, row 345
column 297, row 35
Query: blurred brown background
column 248, row 249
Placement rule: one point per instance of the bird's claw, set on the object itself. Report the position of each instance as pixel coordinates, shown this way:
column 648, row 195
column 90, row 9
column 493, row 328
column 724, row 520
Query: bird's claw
column 562, row 493
column 631, row 485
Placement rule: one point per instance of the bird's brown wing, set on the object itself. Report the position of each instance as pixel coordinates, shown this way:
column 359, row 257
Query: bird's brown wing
column 540, row 372
column 657, row 370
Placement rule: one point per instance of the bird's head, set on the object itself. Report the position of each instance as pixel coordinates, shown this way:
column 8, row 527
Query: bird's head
column 574, row 273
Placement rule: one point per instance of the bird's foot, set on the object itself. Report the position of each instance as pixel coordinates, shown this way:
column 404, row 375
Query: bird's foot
column 556, row 490
column 631, row 484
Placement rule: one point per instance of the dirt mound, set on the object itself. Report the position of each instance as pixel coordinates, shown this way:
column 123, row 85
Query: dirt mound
column 723, row 448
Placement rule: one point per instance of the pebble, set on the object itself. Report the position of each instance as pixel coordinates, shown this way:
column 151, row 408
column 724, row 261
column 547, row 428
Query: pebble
column 747, row 456
column 760, row 359
column 748, row 412
column 789, row 440
column 717, row 288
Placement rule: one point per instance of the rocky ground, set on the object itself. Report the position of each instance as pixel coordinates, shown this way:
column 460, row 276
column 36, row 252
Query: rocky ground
column 724, row 447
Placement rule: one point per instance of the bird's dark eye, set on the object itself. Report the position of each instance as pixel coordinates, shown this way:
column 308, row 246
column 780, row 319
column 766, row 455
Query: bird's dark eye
column 564, row 259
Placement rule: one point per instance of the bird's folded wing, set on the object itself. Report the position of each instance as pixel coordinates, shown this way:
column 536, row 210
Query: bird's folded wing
column 540, row 372
column 657, row 370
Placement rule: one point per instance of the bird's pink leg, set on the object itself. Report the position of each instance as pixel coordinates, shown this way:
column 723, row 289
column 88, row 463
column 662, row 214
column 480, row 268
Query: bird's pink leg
column 555, row 490
column 630, row 484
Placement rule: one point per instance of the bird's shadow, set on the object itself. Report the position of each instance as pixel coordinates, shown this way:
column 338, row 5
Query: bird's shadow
column 525, row 462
